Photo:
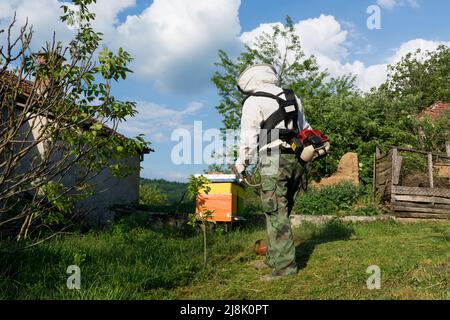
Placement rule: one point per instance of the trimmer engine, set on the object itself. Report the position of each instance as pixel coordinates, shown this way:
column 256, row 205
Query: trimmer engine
column 310, row 145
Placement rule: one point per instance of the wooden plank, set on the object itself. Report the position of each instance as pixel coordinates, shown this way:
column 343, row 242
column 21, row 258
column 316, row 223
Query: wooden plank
column 386, row 172
column 374, row 172
column 394, row 159
column 384, row 156
column 421, row 215
column 422, row 205
column 383, row 171
column 440, row 155
column 397, row 168
column 383, row 180
column 421, row 199
column 383, row 160
column 417, row 191
column 383, row 187
column 417, row 209
column 430, row 170
column 441, row 164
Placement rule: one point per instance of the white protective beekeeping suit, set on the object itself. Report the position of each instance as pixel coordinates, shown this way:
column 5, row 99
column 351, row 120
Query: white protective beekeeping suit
column 261, row 78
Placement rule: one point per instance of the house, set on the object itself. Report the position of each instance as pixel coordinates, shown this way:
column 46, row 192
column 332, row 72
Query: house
column 436, row 111
column 109, row 190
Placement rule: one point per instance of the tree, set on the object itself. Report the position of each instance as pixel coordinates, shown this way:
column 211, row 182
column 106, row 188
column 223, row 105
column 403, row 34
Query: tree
column 425, row 75
column 196, row 186
column 55, row 125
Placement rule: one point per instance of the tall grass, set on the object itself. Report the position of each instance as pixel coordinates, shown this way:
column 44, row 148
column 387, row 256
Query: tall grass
column 130, row 262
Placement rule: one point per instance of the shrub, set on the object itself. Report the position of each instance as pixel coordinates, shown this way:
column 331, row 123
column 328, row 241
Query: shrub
column 252, row 201
column 151, row 195
column 329, row 200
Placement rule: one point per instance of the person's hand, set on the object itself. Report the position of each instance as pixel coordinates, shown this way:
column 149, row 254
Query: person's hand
column 240, row 168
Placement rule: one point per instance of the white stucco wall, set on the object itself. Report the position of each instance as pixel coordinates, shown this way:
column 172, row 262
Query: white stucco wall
column 109, row 190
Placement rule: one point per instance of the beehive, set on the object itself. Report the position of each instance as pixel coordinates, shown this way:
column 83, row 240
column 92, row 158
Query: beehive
column 225, row 198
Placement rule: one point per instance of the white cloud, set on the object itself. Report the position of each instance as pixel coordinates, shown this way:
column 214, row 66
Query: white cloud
column 106, row 16
column 156, row 121
column 43, row 15
column 412, row 46
column 319, row 36
column 325, row 38
column 391, row 4
column 175, row 42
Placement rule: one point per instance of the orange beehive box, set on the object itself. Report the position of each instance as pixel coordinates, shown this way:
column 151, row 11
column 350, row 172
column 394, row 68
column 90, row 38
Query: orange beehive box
column 225, row 198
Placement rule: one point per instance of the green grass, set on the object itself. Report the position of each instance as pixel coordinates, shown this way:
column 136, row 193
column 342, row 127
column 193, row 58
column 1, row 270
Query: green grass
column 126, row 263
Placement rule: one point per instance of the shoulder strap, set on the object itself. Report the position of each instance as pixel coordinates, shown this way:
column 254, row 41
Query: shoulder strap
column 288, row 110
column 264, row 94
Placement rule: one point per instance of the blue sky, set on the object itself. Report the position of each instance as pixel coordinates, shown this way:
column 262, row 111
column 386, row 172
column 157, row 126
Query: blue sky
column 175, row 44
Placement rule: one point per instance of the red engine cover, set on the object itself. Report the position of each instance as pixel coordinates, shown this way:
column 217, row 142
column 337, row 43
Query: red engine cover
column 307, row 134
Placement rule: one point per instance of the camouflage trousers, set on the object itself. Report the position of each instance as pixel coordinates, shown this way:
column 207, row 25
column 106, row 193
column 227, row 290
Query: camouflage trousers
column 280, row 182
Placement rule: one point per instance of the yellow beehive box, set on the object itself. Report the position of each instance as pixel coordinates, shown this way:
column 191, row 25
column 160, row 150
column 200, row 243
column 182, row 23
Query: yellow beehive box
column 225, row 198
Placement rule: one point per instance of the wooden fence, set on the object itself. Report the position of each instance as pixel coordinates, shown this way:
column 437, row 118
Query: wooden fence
column 404, row 201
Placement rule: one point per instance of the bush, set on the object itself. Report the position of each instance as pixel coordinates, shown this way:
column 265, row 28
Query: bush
column 334, row 200
column 151, row 195
column 252, row 201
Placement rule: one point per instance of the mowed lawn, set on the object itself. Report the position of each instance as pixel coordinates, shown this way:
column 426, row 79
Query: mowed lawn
column 137, row 263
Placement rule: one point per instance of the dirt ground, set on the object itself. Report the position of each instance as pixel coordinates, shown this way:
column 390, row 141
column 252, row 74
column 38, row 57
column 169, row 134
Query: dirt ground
column 422, row 180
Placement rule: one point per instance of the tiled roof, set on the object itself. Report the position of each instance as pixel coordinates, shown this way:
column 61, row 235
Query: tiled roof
column 12, row 80
column 435, row 111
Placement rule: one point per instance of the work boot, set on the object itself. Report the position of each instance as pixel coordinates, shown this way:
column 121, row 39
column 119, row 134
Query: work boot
column 278, row 274
column 260, row 264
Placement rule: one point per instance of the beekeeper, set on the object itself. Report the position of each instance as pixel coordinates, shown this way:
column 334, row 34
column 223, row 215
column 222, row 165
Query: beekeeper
column 271, row 117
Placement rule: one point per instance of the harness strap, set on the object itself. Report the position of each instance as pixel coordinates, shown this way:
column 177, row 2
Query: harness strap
column 274, row 134
column 287, row 111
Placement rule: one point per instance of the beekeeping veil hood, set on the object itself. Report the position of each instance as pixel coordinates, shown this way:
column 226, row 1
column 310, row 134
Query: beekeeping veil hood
column 256, row 77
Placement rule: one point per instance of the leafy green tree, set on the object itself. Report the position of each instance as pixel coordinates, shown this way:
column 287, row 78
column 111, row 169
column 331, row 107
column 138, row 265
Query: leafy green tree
column 65, row 110
column 433, row 134
column 425, row 75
